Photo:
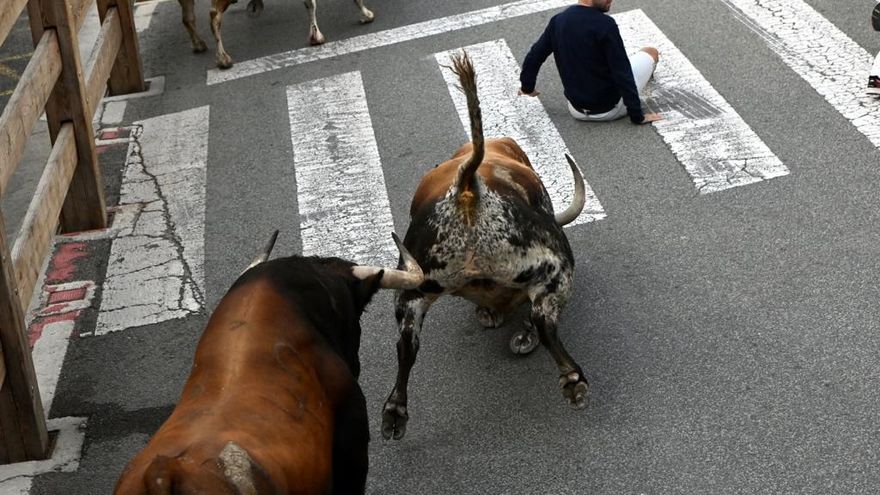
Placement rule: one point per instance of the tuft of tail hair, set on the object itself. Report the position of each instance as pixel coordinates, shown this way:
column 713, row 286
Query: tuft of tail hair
column 465, row 183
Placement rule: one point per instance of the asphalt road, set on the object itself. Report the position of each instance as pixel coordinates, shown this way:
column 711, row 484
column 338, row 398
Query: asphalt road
column 731, row 339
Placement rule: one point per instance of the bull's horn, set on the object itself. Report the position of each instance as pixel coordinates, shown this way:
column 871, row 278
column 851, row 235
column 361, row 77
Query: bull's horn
column 410, row 278
column 265, row 254
column 580, row 195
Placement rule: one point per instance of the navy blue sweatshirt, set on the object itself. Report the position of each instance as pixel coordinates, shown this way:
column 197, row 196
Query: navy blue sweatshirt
column 591, row 59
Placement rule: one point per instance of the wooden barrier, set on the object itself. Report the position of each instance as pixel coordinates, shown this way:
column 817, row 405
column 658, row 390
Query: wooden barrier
column 70, row 193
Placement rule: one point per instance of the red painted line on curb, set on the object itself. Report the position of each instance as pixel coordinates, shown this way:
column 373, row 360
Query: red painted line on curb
column 36, row 329
column 62, row 266
column 63, row 296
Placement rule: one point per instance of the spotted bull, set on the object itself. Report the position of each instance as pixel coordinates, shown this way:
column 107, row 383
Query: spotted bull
column 255, row 8
column 272, row 405
column 483, row 228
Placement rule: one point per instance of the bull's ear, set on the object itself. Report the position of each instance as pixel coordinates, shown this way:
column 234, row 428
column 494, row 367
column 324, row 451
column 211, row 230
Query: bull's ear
column 159, row 475
column 368, row 286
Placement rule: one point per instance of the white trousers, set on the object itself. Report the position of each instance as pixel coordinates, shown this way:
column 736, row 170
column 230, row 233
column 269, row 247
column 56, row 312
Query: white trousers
column 643, row 68
column 875, row 69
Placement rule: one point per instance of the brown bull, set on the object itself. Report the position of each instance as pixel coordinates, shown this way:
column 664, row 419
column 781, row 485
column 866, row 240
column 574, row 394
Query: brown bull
column 483, row 228
column 255, row 8
column 273, row 405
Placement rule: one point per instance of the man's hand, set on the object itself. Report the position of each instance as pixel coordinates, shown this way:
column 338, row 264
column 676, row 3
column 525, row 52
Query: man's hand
column 651, row 117
column 533, row 93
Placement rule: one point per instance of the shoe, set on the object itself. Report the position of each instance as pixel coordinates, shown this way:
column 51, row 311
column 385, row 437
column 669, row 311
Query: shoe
column 873, row 85
column 875, row 17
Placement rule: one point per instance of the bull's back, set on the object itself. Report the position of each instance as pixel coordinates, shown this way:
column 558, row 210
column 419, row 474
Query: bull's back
column 256, row 382
column 505, row 169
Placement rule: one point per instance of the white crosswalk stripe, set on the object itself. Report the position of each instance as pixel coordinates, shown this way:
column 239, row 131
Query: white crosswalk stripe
column 343, row 203
column 819, row 52
column 710, row 139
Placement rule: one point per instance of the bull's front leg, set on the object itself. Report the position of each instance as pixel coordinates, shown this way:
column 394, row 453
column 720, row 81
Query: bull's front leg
column 546, row 306
column 366, row 14
column 187, row 10
column 218, row 7
column 315, row 36
column 410, row 311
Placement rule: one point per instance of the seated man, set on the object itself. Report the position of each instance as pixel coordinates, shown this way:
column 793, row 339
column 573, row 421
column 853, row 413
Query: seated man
column 601, row 83
column 874, row 75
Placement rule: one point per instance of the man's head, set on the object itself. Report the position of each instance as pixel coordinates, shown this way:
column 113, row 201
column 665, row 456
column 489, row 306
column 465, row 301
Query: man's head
column 603, row 5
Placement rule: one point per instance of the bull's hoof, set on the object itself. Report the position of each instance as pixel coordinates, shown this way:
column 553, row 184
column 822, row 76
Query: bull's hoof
column 317, row 40
column 526, row 340
column 199, row 46
column 575, row 389
column 489, row 318
column 367, row 17
column 255, row 8
column 224, row 62
column 394, row 418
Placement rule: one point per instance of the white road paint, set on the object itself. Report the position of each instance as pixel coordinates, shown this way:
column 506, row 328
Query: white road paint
column 16, row 478
column 433, row 27
column 155, row 272
column 522, row 118
column 823, row 55
column 710, row 139
column 143, row 15
column 343, row 204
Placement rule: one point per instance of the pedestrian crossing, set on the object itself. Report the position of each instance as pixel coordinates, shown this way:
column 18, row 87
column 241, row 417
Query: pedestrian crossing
column 714, row 144
column 345, row 207
column 342, row 196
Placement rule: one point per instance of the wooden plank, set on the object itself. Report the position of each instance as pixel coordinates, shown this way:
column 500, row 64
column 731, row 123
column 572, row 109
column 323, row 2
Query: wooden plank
column 23, row 419
column 8, row 15
column 2, row 368
column 128, row 71
column 84, row 207
column 11, row 445
column 100, row 63
column 39, row 224
column 80, row 10
column 26, row 104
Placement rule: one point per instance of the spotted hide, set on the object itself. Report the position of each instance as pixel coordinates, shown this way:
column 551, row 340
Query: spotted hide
column 483, row 228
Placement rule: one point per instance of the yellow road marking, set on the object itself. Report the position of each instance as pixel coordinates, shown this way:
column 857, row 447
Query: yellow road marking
column 8, row 72
column 16, row 57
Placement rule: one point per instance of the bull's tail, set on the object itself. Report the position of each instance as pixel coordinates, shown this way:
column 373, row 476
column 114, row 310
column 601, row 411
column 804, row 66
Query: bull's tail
column 263, row 256
column 465, row 183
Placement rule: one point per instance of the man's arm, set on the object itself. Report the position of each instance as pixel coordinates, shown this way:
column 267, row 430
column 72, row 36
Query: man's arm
column 534, row 59
column 622, row 75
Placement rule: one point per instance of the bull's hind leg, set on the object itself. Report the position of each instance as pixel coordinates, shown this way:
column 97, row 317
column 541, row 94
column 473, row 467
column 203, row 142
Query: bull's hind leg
column 218, row 7
column 315, row 36
column 547, row 303
column 410, row 311
column 187, row 10
column 366, row 14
